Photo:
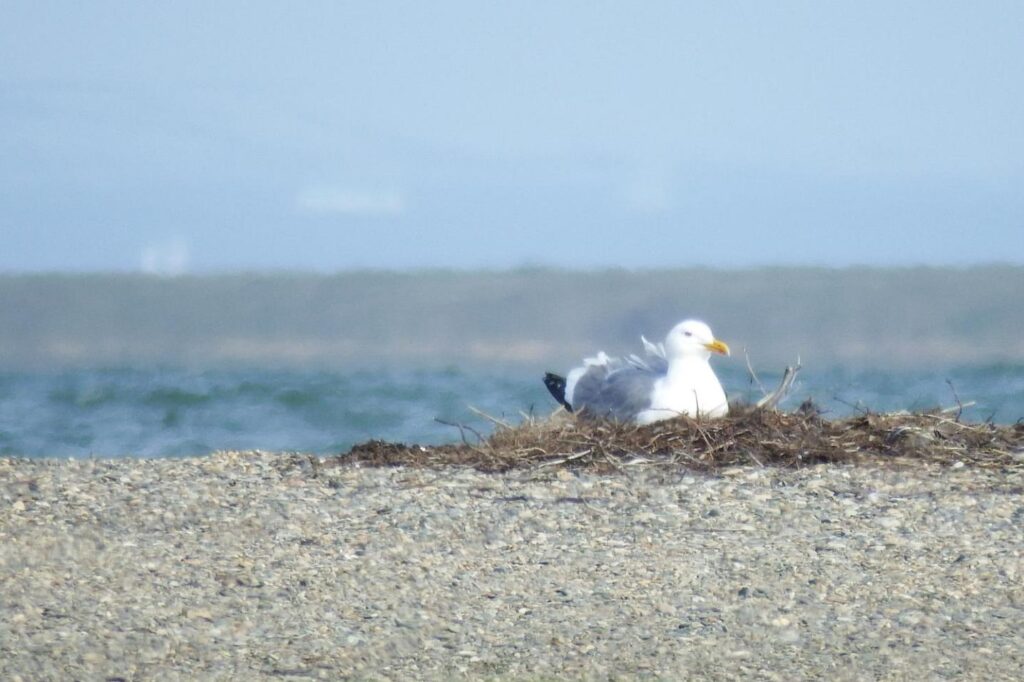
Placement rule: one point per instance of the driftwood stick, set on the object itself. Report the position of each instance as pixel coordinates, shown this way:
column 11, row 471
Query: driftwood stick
column 959, row 408
column 772, row 400
column 960, row 405
column 462, row 429
column 753, row 375
column 490, row 418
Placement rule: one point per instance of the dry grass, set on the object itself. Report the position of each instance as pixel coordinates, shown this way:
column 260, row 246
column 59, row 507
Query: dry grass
column 756, row 437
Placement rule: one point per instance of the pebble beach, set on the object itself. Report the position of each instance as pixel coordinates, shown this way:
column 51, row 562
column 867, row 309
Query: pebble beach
column 250, row 565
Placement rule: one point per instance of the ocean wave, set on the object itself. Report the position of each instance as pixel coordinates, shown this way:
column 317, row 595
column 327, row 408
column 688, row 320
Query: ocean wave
column 169, row 412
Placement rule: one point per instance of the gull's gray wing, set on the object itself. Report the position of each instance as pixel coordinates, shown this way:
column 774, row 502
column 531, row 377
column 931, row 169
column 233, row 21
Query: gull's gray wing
column 615, row 393
column 653, row 363
column 655, row 360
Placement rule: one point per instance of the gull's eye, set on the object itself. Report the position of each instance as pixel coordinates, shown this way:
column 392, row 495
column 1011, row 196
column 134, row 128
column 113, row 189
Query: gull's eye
column 687, row 333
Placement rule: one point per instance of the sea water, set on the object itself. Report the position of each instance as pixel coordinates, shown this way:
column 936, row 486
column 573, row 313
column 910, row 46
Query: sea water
column 175, row 412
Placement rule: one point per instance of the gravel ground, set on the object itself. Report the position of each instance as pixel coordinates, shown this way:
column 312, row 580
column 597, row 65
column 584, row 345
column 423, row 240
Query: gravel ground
column 250, row 565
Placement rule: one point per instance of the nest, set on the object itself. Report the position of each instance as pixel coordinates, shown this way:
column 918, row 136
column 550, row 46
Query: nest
column 753, row 436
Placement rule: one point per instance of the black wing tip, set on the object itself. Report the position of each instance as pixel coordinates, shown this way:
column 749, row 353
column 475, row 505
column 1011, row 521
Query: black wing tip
column 556, row 386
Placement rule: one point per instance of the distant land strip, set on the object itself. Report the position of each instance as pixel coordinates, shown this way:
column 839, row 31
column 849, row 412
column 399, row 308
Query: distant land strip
column 877, row 317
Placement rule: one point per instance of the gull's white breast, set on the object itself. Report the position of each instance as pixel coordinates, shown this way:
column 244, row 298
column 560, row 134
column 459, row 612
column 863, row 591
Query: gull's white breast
column 691, row 388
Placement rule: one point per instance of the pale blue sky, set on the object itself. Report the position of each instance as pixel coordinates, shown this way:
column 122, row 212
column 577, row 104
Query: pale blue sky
column 206, row 136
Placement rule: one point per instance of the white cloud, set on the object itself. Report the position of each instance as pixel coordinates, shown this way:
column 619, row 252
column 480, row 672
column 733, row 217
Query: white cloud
column 167, row 258
column 350, row 201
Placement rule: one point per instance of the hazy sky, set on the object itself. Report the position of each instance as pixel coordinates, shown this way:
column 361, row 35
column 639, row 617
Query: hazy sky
column 197, row 136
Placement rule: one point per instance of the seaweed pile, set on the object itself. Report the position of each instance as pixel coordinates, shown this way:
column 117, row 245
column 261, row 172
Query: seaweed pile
column 753, row 436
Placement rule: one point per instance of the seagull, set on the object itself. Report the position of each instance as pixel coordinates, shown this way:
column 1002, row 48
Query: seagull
column 675, row 378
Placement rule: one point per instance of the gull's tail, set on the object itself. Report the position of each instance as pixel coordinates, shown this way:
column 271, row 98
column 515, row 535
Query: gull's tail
column 556, row 386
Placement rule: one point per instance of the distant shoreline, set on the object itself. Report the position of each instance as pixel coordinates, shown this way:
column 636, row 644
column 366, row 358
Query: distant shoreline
column 876, row 317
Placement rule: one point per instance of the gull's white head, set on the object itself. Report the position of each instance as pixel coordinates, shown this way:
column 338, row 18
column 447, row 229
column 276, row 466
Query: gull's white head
column 693, row 338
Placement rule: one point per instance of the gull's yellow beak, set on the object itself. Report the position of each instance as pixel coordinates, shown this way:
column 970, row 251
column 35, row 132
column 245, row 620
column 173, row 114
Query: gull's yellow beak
column 717, row 346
